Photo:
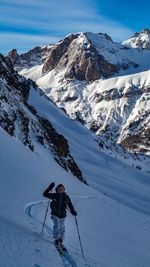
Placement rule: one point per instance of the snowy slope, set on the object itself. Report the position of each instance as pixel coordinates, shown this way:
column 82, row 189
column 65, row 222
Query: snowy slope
column 21, row 174
column 93, row 163
column 119, row 236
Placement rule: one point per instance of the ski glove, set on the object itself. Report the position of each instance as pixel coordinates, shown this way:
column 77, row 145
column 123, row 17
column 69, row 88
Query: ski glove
column 51, row 186
column 73, row 212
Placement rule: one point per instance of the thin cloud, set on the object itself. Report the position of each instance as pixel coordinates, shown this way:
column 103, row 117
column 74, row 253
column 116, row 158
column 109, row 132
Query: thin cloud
column 115, row 30
column 24, row 42
column 35, row 20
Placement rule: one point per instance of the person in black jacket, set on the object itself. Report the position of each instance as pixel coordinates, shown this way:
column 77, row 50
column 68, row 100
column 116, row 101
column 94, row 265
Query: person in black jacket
column 60, row 202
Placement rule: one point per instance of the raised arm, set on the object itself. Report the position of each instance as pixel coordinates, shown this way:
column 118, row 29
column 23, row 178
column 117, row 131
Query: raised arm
column 47, row 193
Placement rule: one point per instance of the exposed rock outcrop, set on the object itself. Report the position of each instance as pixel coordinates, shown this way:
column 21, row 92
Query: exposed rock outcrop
column 79, row 61
column 13, row 55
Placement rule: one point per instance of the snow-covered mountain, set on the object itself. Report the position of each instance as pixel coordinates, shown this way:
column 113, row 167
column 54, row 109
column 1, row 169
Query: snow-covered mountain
column 88, row 56
column 75, row 74
column 139, row 40
column 83, row 56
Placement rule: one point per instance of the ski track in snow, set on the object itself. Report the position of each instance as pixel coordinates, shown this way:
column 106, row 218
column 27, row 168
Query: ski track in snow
column 67, row 259
column 22, row 247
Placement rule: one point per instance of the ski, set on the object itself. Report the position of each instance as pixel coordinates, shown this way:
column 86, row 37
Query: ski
column 63, row 248
column 66, row 257
column 69, row 258
column 58, row 249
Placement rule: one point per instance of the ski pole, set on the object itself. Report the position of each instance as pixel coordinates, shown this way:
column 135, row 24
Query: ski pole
column 45, row 216
column 79, row 237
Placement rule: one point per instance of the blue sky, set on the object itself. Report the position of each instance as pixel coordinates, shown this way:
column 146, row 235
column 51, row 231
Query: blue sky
column 29, row 23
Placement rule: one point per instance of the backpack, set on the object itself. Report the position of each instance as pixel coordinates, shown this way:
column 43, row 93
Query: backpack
column 53, row 205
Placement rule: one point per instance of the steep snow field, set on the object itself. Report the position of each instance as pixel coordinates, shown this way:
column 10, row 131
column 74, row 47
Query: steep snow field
column 113, row 212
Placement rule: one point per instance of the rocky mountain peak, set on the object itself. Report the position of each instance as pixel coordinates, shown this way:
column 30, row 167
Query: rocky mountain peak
column 139, row 40
column 78, row 58
column 143, row 32
column 106, row 36
column 146, row 31
column 29, row 59
column 13, row 55
column 82, row 56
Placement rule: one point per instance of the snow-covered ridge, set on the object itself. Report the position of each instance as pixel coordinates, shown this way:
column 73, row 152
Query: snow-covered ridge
column 22, row 121
column 78, row 54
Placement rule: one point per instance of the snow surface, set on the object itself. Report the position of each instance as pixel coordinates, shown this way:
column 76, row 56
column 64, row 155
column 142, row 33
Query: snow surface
column 113, row 212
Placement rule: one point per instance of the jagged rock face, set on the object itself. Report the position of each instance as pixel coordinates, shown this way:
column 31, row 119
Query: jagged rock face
column 135, row 142
column 128, row 123
column 81, row 62
column 136, row 134
column 56, row 53
column 22, row 121
column 29, row 59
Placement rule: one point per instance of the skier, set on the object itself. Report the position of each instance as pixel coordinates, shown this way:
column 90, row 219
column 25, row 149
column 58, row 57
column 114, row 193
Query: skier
column 60, row 202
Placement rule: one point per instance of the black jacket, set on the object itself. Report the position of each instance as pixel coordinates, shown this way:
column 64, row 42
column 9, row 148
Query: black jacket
column 59, row 203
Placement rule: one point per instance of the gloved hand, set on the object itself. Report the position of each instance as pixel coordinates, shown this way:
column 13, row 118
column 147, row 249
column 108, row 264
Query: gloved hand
column 51, row 186
column 73, row 212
